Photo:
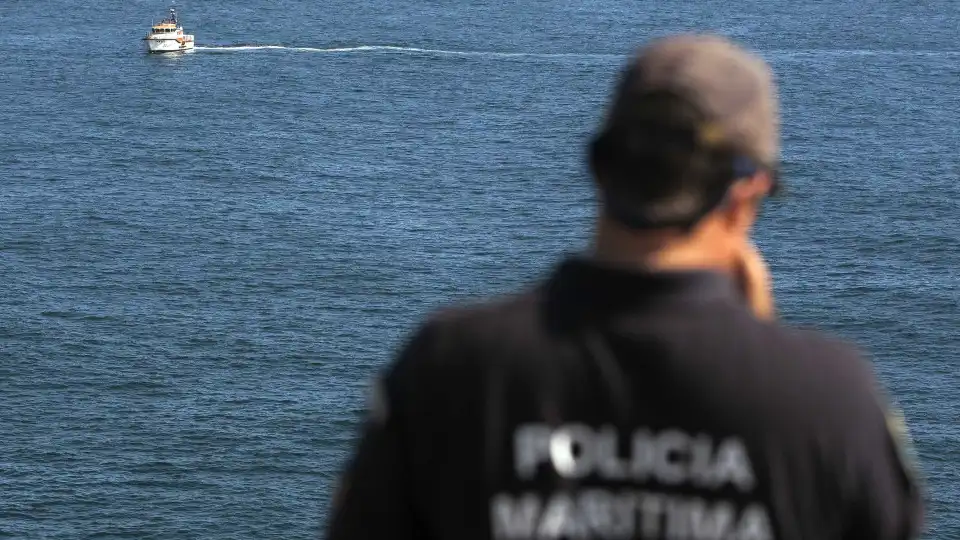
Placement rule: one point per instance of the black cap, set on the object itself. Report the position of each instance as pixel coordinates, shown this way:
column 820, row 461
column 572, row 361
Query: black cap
column 691, row 115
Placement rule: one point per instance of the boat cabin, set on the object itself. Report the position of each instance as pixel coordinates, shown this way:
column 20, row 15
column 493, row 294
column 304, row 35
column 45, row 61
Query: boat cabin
column 168, row 25
column 164, row 28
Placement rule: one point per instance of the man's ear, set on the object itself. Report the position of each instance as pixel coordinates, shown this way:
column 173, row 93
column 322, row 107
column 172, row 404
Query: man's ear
column 743, row 200
column 752, row 188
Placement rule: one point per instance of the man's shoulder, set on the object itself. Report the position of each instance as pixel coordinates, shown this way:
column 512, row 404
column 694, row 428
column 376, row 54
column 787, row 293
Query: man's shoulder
column 820, row 372
column 453, row 348
column 818, row 354
column 485, row 318
column 778, row 351
column 813, row 345
column 452, row 335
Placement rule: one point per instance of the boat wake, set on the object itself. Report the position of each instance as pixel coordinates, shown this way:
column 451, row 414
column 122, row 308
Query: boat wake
column 772, row 54
column 398, row 49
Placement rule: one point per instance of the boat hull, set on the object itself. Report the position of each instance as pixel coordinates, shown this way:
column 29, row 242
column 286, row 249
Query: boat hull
column 167, row 45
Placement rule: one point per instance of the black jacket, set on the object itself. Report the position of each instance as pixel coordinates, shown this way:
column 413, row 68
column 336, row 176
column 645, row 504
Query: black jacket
column 615, row 404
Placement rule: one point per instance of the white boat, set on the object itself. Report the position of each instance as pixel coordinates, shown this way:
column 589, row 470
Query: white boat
column 168, row 36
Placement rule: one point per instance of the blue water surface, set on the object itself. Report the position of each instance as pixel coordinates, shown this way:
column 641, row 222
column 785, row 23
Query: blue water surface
column 205, row 257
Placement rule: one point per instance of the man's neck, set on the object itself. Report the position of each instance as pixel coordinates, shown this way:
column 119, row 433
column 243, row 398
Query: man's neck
column 616, row 246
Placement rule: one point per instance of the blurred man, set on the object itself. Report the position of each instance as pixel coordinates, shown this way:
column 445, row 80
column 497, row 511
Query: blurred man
column 643, row 390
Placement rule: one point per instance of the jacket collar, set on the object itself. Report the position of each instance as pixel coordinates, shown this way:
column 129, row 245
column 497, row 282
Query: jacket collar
column 580, row 288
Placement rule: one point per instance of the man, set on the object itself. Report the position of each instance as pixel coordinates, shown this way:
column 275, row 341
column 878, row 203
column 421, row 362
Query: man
column 643, row 390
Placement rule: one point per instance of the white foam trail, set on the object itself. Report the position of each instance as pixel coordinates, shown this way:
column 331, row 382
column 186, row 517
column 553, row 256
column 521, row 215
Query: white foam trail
column 842, row 53
column 393, row 48
column 238, row 47
column 800, row 53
